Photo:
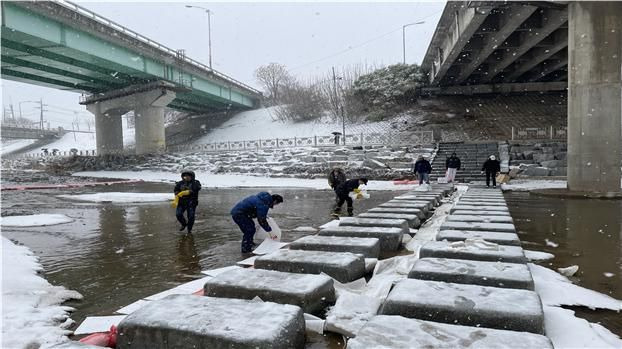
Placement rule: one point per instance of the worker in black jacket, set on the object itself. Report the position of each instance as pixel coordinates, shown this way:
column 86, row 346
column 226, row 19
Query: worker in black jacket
column 187, row 194
column 452, row 164
column 343, row 194
column 492, row 166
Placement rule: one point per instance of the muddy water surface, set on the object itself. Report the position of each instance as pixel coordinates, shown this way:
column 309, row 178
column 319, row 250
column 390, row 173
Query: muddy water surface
column 588, row 233
column 115, row 254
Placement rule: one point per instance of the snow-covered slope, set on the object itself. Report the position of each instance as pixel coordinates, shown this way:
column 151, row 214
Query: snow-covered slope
column 9, row 146
column 263, row 123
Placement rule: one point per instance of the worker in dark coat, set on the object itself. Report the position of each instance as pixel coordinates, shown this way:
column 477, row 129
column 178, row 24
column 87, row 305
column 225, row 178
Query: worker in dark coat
column 452, row 164
column 187, row 199
column 256, row 206
column 343, row 194
column 492, row 166
column 423, row 169
column 336, row 177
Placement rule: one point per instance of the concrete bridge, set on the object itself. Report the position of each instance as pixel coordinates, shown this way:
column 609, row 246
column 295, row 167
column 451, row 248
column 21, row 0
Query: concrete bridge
column 540, row 46
column 61, row 45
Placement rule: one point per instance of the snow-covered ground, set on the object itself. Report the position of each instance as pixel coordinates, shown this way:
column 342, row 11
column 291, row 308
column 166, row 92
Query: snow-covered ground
column 263, row 124
column 35, row 220
column 12, row 145
column 532, row 184
column 209, row 180
column 32, row 314
column 84, row 141
column 120, row 197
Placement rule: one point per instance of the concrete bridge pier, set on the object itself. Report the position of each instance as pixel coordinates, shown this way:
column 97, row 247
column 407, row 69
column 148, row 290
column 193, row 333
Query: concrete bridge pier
column 149, row 121
column 148, row 102
column 109, row 128
column 595, row 96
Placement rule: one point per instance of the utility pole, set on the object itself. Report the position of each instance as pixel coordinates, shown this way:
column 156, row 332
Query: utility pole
column 41, row 114
column 209, row 36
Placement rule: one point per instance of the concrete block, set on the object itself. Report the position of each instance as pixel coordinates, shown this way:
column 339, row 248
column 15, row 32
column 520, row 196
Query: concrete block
column 390, row 238
column 412, row 219
column 429, row 203
column 368, row 247
column 500, row 238
column 479, row 226
column 398, row 332
column 476, row 202
column 483, row 199
column 483, row 213
column 461, row 271
column 536, row 171
column 476, row 218
column 470, row 305
column 475, row 250
column 460, row 206
column 403, row 210
column 189, row 321
column 342, row 266
column 405, row 204
column 312, row 293
column 374, row 222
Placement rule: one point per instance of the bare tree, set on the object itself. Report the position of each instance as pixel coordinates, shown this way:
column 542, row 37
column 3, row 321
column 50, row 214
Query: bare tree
column 273, row 76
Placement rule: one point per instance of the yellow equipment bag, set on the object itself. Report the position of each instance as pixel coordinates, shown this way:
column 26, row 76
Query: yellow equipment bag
column 175, row 201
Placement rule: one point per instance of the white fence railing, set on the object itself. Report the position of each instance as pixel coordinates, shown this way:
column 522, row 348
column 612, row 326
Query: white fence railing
column 551, row 132
column 414, row 138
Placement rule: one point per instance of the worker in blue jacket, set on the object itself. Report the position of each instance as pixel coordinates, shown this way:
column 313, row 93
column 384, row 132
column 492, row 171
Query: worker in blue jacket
column 255, row 206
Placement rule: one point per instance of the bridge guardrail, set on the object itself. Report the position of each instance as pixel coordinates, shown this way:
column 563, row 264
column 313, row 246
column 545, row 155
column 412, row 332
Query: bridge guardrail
column 88, row 13
column 415, row 138
column 551, row 132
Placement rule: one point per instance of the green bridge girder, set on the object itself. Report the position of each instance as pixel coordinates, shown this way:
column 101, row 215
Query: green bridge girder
column 40, row 50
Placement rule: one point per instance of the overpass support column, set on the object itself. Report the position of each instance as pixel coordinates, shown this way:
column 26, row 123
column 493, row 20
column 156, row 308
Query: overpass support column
column 108, row 129
column 594, row 96
column 149, row 116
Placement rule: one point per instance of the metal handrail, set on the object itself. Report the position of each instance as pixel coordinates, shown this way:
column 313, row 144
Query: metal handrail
column 88, row 13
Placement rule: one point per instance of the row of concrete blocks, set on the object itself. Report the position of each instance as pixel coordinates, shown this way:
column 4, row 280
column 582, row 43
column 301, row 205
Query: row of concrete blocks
column 286, row 280
column 479, row 294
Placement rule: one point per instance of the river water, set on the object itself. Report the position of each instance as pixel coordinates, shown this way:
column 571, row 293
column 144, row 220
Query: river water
column 115, row 254
column 588, row 233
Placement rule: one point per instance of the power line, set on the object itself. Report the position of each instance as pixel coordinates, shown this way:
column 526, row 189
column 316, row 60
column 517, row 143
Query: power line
column 350, row 48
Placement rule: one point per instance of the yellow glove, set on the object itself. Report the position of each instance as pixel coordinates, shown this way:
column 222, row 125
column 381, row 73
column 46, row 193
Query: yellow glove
column 175, row 201
column 357, row 190
column 183, row 193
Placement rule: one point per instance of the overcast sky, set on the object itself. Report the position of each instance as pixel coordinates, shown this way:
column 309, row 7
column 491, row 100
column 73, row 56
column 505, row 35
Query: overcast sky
column 309, row 38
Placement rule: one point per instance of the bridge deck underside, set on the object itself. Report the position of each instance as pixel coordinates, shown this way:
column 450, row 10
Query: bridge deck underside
column 40, row 51
column 515, row 43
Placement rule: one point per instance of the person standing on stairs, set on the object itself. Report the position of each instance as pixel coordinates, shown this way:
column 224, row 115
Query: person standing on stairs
column 422, row 169
column 491, row 167
column 453, row 165
column 343, row 194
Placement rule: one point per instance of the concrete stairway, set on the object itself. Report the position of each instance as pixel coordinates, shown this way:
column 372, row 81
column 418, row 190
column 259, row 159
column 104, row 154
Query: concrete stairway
column 472, row 157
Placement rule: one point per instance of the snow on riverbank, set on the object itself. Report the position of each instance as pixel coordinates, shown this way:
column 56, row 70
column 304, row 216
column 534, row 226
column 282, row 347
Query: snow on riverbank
column 35, row 220
column 120, row 197
column 32, row 315
column 263, row 123
column 209, row 180
column 10, row 146
column 531, row 184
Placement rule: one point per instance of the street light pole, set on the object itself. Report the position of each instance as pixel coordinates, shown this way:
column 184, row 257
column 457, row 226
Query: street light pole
column 209, row 30
column 404, row 37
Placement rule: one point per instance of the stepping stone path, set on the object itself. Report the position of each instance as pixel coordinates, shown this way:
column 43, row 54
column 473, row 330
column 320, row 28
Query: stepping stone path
column 421, row 214
column 475, row 275
column 312, row 293
column 188, row 321
column 397, row 332
column 471, row 305
column 343, row 266
column 368, row 247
